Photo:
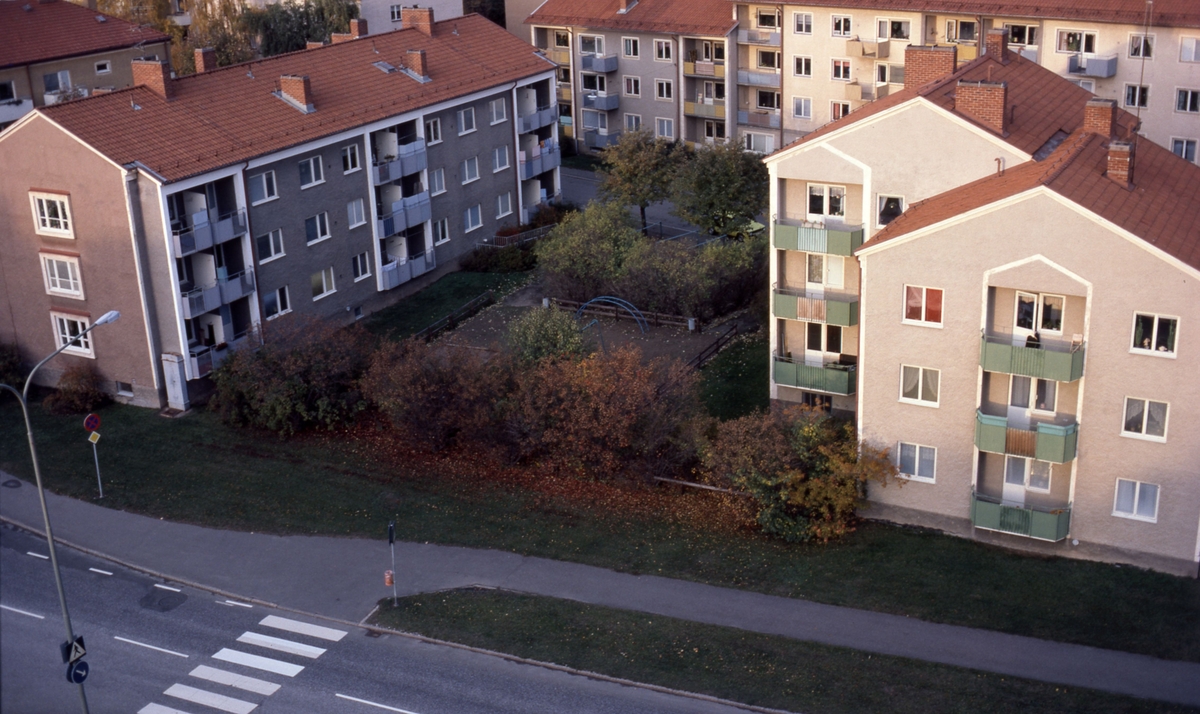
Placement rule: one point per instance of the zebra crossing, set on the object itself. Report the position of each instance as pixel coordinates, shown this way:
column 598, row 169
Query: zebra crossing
column 230, row 697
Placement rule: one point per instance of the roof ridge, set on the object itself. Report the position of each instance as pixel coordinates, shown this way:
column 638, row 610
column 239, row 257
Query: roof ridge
column 1071, row 149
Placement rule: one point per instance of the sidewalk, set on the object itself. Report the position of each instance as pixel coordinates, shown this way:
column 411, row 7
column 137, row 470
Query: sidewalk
column 343, row 578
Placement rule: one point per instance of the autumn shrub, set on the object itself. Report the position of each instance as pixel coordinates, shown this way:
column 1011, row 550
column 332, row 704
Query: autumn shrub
column 78, row 391
column 804, row 469
column 305, row 374
column 10, row 366
column 583, row 256
column 511, row 259
column 545, row 333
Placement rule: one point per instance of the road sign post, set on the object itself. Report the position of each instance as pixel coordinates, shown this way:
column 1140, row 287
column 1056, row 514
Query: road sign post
column 91, row 423
column 77, row 672
column 392, row 545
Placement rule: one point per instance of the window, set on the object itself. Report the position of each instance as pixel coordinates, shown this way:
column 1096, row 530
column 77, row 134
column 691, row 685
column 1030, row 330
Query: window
column 889, row 73
column 1076, row 41
column 1027, row 473
column 594, row 82
column 919, row 385
column 663, row 89
column 322, row 284
column 664, row 128
column 922, row 305
column 712, row 51
column 826, row 201
column 270, row 246
column 1040, row 395
column 1154, row 333
column 961, row 31
column 310, row 172
column 802, row 22
column 841, row 70
column 766, row 99
column 470, row 169
column 69, row 330
column 104, row 67
column 361, row 266
column 802, row 107
column 630, row 47
column 595, row 120
column 633, row 122
column 441, row 231
column 825, row 270
column 768, row 59
column 564, row 76
column 262, row 188
column 892, row 29
column 759, row 143
column 889, row 208
column 714, row 129
column 397, row 14
column 768, row 19
column 433, row 131
column 591, row 44
column 1145, row 419
column 62, row 276
column 1137, row 95
column 498, row 110
column 1039, row 313
column 823, row 339
column 1136, row 499
column 316, row 228
column 503, row 205
column 350, row 159
column 662, row 50
column 1187, row 100
column 802, row 66
column 124, row 389
column 1087, row 84
column 7, row 91
column 1141, row 46
column 1184, row 148
column 633, row 86
column 841, row 26
column 355, row 214
column 562, row 38
column 499, row 158
column 466, row 120
column 437, row 182
column 57, row 81
column 51, row 214
column 1189, row 49
column 1022, row 35
column 472, row 218
column 917, row 462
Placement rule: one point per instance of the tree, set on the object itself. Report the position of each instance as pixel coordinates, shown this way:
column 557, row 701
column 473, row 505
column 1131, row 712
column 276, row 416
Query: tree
column 216, row 24
column 721, row 188
column 638, row 170
column 287, row 27
column 545, row 333
column 582, row 257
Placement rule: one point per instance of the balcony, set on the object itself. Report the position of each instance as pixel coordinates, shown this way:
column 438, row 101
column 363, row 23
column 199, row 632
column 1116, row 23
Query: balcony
column 215, row 231
column 758, row 79
column 868, row 48
column 830, row 378
column 704, row 69
column 540, row 159
column 600, row 101
column 763, row 117
column 598, row 63
column 564, row 94
column 409, row 159
column 1051, row 525
column 817, row 238
column 14, row 109
column 1045, row 442
column 710, row 109
column 558, row 55
column 544, row 116
column 406, row 213
column 1059, row 361
column 967, row 52
column 830, row 307
column 401, row 270
column 205, row 358
column 236, row 286
column 1090, row 66
column 593, row 139
column 198, row 301
column 758, row 37
column 856, row 92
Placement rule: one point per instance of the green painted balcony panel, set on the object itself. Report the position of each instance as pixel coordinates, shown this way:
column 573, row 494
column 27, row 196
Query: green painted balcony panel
column 997, row 354
column 1017, row 520
column 1045, row 442
column 990, row 432
column 830, row 308
column 785, row 306
column 813, row 239
column 841, row 313
column 834, row 379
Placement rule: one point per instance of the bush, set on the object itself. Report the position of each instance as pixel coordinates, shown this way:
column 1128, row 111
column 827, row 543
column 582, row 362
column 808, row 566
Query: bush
column 513, row 259
column 582, row 257
column 78, row 392
column 305, row 375
column 545, row 333
column 10, row 366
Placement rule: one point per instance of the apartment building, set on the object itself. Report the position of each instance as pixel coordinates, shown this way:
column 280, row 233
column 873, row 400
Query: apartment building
column 315, row 182
column 809, row 63
column 53, row 51
column 386, row 16
column 663, row 65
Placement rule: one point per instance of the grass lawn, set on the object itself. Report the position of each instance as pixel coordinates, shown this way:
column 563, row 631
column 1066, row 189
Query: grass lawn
column 453, row 290
column 196, row 470
column 734, row 383
column 755, row 669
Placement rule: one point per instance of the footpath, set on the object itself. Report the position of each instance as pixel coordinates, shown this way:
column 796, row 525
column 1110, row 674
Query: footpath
column 343, row 578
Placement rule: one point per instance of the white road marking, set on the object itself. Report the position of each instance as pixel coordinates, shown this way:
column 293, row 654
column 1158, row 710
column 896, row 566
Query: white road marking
column 264, row 663
column 210, row 699
column 21, row 612
column 303, row 628
column 98, row 570
column 274, row 643
column 372, row 704
column 159, row 709
column 167, row 587
column 150, row 647
column 238, row 681
column 235, row 602
column 37, row 555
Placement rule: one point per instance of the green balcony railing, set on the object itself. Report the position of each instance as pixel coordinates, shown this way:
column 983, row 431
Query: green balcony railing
column 1059, row 362
column 1052, row 525
column 813, row 238
column 834, row 379
column 1044, row 442
column 830, row 308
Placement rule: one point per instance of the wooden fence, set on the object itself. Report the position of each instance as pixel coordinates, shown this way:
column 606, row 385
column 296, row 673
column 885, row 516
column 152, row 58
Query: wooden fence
column 618, row 313
column 517, row 239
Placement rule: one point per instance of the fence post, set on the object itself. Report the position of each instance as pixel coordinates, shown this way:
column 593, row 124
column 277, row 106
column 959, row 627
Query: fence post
column 546, row 302
column 691, row 324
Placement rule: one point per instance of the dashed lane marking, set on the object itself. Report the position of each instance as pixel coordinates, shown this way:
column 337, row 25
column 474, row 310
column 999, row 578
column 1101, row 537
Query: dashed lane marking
column 373, row 704
column 150, row 647
column 37, row 555
column 98, row 570
column 167, row 587
column 22, row 612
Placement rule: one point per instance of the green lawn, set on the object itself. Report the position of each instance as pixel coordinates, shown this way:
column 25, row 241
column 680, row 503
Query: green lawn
column 453, row 290
column 735, row 382
column 722, row 662
column 196, row 470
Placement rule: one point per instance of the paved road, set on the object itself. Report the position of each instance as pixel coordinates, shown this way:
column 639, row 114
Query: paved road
column 154, row 644
column 580, row 186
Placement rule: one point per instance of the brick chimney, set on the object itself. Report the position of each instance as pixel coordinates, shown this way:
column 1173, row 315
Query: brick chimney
column 313, row 44
column 923, row 64
column 418, row 18
column 1100, row 116
column 1120, row 163
column 206, row 59
column 996, row 44
column 297, row 89
column 415, row 60
column 154, row 75
column 339, row 37
column 984, row 102
column 358, row 27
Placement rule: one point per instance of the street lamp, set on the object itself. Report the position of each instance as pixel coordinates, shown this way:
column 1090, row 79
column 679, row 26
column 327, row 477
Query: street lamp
column 22, row 397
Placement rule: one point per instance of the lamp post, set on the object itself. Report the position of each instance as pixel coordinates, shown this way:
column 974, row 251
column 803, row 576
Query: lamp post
column 22, row 397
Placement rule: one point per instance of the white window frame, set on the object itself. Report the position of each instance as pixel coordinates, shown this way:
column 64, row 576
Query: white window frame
column 802, row 108
column 433, row 131
column 104, row 67
column 887, row 34
column 1184, row 143
column 500, row 154
column 836, row 63
column 776, row 99
column 562, row 39
column 917, row 448
column 43, row 222
column 1137, row 499
column 441, row 231
column 361, row 266
column 1145, row 416
column 664, row 51
column 631, row 86
column 437, row 182
column 504, row 205
column 476, row 213
column 1027, row 472
column 774, row 22
column 664, row 90
column 1036, row 30
column 797, row 62
column 1153, row 337
column 631, row 47
column 597, row 45
column 274, row 238
column 397, row 12
column 328, row 285
column 350, row 158
column 62, row 334
column 1062, row 37
column 1139, row 41
column 663, row 122
column 750, row 138
column 633, row 122
column 921, row 386
column 598, row 81
column 802, row 23
column 1143, row 95
column 846, row 28
column 280, row 293
column 498, row 111
column 322, row 223
column 775, row 60
column 465, row 117
column 316, row 172
column 826, row 204
column 924, row 321
column 1189, row 49
column 264, row 178
column 356, row 214
column 1192, row 100
column 881, row 200
column 470, row 170
column 50, row 277
column 954, row 31
column 1039, row 315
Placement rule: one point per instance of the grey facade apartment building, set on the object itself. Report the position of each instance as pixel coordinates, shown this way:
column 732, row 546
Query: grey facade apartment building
column 314, row 182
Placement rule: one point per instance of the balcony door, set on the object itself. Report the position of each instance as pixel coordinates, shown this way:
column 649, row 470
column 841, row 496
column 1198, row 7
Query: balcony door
column 1022, row 475
column 823, row 272
column 822, row 344
column 1037, row 313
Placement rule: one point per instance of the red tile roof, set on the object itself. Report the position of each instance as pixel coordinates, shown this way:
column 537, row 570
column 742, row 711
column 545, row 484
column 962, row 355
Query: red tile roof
column 57, row 29
column 712, row 18
column 1162, row 208
column 1167, row 13
column 230, row 115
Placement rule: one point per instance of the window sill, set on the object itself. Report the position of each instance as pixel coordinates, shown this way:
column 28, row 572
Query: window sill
column 1152, row 353
column 916, row 479
column 322, row 296
column 356, row 225
column 281, row 313
column 319, row 240
column 468, row 131
column 434, row 143
column 265, row 200
column 277, row 256
column 501, row 121
column 310, row 185
column 50, row 232
column 502, row 168
column 362, row 277
column 1133, row 517
column 1144, row 437
column 79, row 353
column 468, row 181
column 921, row 323
column 504, row 215
column 918, row 403
column 444, row 241
column 437, row 193
column 71, row 296
column 473, row 229
column 352, row 171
